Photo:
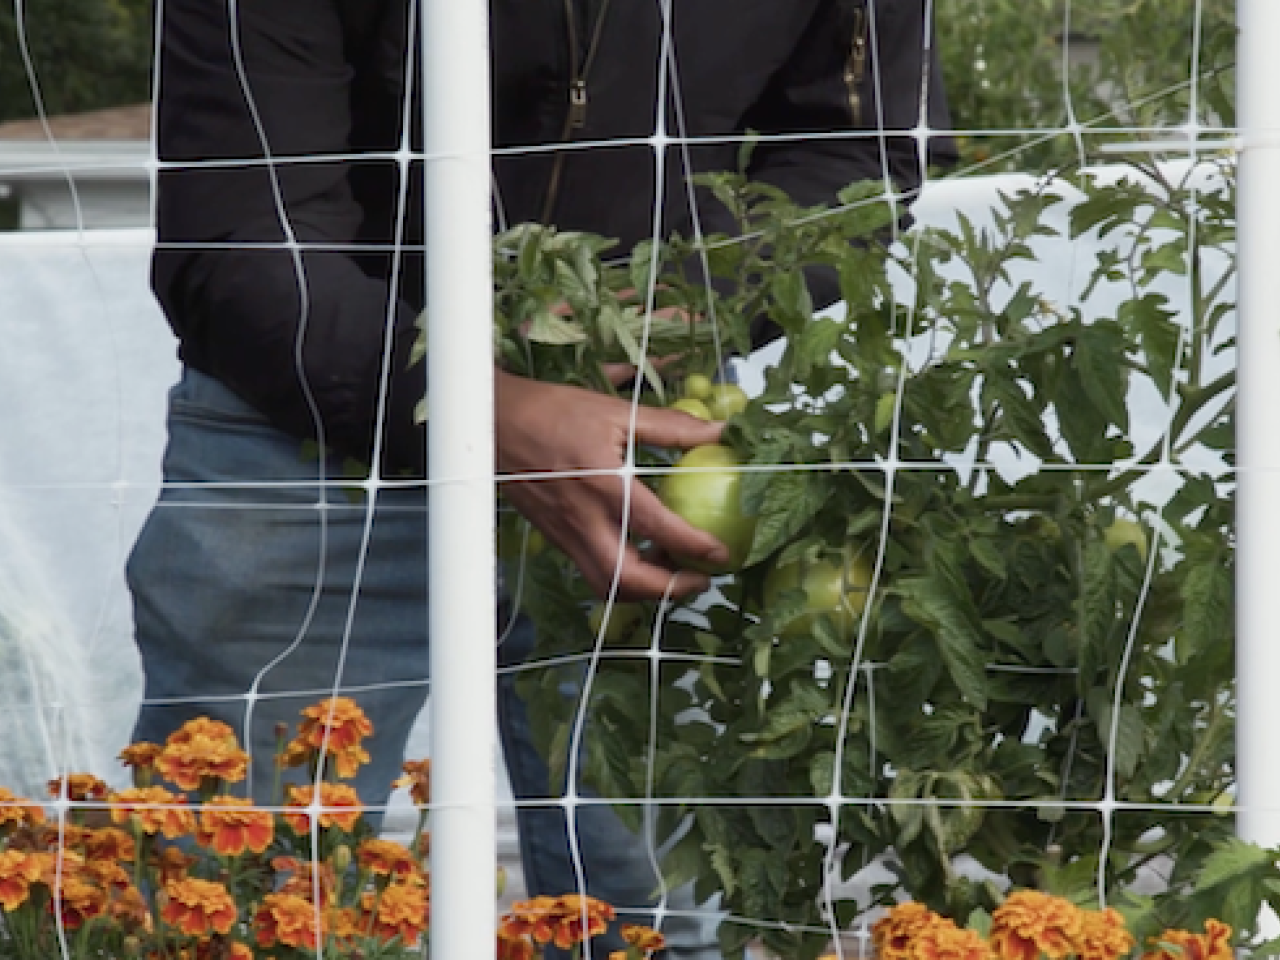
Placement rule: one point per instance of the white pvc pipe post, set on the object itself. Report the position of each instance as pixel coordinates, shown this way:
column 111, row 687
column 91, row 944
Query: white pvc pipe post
column 460, row 428
column 1258, row 422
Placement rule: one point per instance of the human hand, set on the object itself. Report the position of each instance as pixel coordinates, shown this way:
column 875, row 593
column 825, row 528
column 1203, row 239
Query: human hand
column 548, row 428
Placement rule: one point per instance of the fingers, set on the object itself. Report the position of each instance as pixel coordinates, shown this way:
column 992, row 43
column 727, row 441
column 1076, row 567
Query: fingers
column 670, row 533
column 584, row 519
column 674, row 428
column 638, row 577
column 543, row 428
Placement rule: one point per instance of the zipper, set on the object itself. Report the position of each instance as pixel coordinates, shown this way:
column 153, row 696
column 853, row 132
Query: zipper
column 575, row 119
column 855, row 67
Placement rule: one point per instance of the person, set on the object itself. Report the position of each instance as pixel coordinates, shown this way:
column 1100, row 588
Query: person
column 289, row 262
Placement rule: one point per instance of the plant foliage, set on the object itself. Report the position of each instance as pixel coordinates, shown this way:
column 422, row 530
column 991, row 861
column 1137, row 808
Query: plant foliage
column 1041, row 690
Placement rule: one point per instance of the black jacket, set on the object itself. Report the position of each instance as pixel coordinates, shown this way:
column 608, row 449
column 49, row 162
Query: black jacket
column 327, row 81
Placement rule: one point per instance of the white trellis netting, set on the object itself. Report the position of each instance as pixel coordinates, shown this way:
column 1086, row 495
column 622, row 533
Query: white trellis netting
column 78, row 467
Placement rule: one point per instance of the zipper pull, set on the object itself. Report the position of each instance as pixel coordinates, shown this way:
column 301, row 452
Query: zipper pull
column 855, row 67
column 578, row 104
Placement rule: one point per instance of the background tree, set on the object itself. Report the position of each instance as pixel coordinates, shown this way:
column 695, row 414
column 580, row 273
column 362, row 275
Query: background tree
column 1130, row 64
column 87, row 55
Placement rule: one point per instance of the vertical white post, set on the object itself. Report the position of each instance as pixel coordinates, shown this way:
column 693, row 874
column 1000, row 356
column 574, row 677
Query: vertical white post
column 460, row 408
column 1258, row 404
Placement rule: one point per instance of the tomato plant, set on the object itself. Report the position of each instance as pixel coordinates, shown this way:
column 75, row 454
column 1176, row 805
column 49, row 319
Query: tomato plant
column 973, row 438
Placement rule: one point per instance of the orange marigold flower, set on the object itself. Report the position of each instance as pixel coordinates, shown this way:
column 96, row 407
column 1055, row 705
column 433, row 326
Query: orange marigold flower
column 288, row 920
column 18, row 870
column 129, row 908
column 154, row 810
column 20, row 812
column 403, row 910
column 535, row 918
column 893, row 934
column 343, row 720
column 304, row 876
column 417, row 777
column 338, row 727
column 1213, row 944
column 387, row 858
column 339, row 807
column 1217, row 940
column 140, row 755
column 59, row 835
column 343, row 924
column 229, row 826
column 521, row 948
column 557, row 920
column 945, row 941
column 200, row 749
column 78, row 899
column 109, row 843
column 643, row 938
column 1030, row 924
column 108, row 873
column 171, row 863
column 79, row 786
column 575, row 908
column 1103, row 936
column 198, row 907
column 55, row 862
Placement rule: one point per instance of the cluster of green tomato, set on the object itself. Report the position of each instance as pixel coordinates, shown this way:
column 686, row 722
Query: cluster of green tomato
column 704, row 487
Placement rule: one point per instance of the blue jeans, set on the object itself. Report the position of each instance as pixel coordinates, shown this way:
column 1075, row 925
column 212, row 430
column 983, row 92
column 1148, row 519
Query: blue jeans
column 242, row 598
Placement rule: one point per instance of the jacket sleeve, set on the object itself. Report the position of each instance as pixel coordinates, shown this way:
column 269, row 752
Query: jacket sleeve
column 821, row 89
column 258, row 262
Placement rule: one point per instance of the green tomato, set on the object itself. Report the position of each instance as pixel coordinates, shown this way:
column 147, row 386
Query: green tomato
column 622, row 620
column 726, row 399
column 695, row 408
column 837, row 591
column 1123, row 532
column 705, row 488
column 697, row 386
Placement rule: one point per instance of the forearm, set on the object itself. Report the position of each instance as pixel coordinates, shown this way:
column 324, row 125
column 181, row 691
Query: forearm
column 317, row 346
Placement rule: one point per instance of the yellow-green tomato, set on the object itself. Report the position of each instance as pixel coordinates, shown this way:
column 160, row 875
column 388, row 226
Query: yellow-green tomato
column 1123, row 532
column 838, row 591
column 697, row 386
column 705, row 488
column 726, row 399
column 695, row 408
column 622, row 620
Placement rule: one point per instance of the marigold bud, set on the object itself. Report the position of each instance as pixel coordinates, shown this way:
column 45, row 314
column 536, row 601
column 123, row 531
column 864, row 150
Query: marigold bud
column 341, row 857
